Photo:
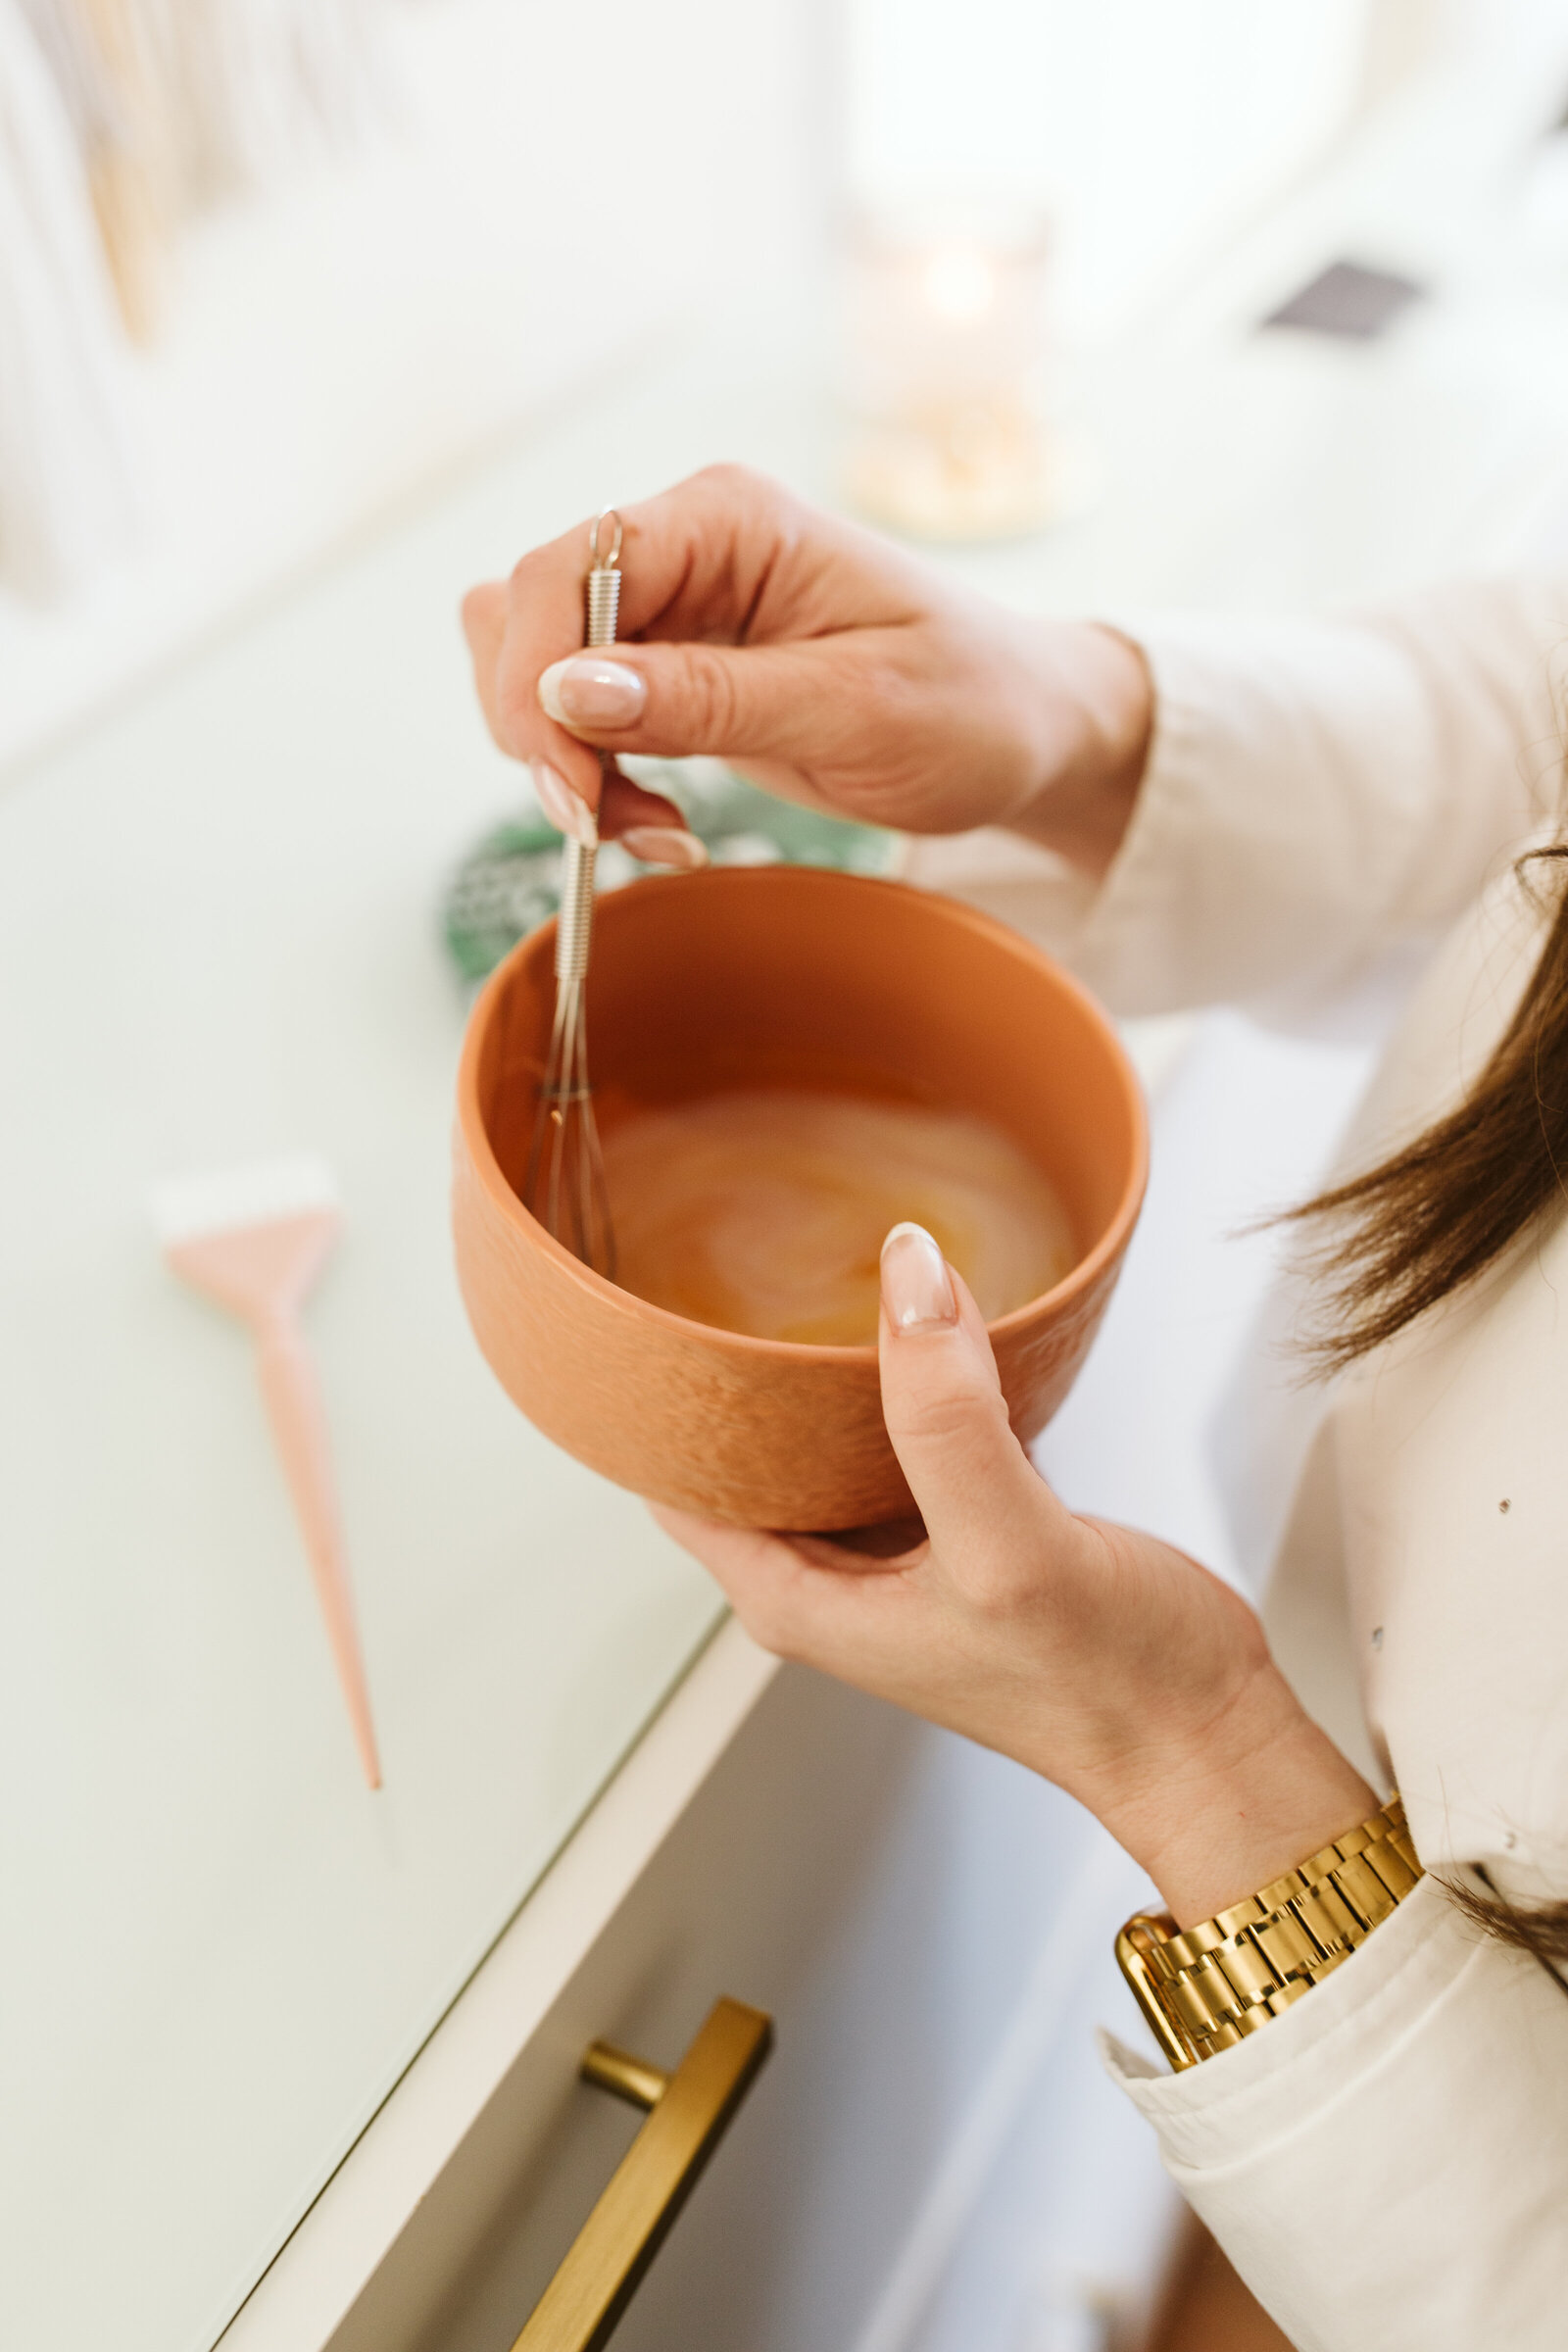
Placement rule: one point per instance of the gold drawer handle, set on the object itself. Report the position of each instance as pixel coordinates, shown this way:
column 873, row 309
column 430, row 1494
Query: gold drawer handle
column 689, row 2113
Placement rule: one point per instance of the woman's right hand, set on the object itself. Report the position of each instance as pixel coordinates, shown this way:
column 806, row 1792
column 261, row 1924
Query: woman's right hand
column 824, row 664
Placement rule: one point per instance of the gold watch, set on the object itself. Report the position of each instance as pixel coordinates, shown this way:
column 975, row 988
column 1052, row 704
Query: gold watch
column 1202, row 1989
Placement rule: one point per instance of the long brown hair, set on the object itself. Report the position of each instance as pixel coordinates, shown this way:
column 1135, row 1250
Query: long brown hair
column 1433, row 1215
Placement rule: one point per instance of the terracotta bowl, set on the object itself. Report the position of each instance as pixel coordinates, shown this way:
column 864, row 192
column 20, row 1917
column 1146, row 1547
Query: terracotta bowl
column 791, row 976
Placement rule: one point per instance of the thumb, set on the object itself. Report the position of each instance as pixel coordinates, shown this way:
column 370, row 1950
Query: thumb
column 671, row 700
column 943, row 1404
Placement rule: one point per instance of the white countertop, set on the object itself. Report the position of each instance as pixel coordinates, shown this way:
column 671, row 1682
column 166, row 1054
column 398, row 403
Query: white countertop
column 217, row 943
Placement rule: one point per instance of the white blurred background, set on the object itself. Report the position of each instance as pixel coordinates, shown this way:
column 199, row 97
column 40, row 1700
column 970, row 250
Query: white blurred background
column 420, row 237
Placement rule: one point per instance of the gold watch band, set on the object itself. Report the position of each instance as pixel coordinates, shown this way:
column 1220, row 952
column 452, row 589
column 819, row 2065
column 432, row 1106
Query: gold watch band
column 1202, row 1989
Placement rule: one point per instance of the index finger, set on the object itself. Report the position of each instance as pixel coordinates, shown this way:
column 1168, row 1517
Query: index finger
column 695, row 562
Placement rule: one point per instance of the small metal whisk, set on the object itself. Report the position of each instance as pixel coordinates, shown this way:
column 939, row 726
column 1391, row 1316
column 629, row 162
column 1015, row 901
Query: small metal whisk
column 564, row 1184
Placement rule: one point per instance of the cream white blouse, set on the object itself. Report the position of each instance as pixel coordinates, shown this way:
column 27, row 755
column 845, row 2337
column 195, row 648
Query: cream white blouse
column 1387, row 2165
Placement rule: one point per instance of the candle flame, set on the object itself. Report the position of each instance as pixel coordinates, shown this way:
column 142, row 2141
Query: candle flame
column 959, row 282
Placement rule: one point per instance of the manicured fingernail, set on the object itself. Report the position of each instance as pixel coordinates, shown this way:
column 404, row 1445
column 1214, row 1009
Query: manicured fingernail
column 666, row 844
column 586, row 692
column 917, row 1287
column 561, row 804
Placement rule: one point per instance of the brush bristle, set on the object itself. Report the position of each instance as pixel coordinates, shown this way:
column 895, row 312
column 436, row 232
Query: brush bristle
column 227, row 1198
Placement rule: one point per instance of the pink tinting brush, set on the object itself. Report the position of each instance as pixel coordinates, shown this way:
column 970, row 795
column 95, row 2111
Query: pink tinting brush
column 255, row 1240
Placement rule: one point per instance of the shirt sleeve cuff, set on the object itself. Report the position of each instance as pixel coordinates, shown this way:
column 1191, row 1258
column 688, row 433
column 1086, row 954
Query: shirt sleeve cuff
column 1387, row 2163
column 1265, row 862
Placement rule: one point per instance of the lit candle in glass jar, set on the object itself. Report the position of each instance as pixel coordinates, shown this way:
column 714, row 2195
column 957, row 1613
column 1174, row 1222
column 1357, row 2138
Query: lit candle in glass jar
column 946, row 341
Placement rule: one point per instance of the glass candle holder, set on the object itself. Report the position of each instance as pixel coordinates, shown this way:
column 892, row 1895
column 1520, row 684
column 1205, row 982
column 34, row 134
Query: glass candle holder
column 947, row 346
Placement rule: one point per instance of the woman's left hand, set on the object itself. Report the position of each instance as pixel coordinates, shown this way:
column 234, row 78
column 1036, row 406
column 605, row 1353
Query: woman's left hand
column 1099, row 1657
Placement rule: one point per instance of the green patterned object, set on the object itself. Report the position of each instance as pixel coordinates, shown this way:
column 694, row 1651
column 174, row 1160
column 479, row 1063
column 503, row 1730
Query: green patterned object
column 509, row 881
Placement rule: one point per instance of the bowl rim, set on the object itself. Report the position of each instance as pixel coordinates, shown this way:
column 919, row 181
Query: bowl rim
column 485, row 1165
